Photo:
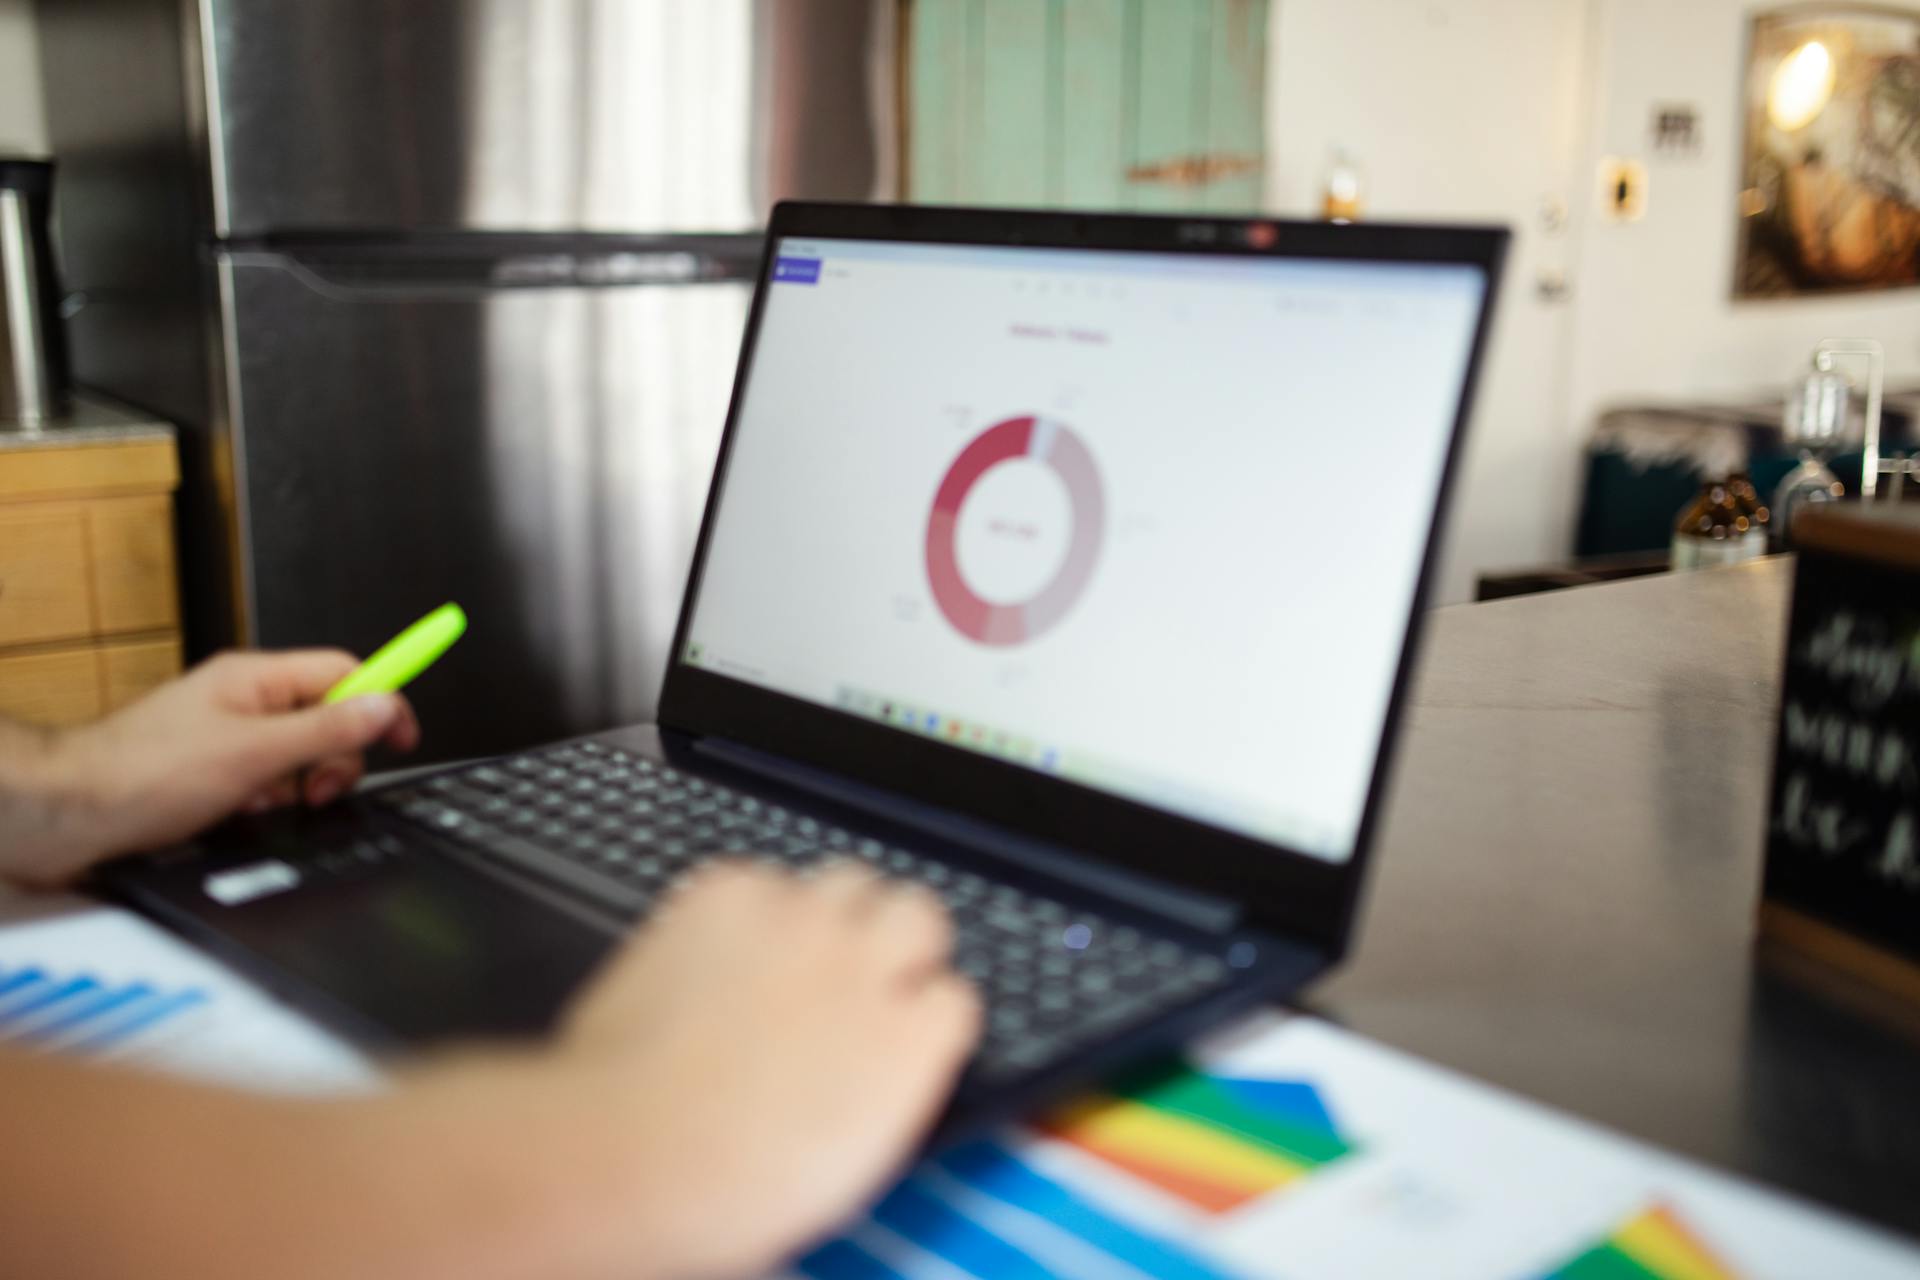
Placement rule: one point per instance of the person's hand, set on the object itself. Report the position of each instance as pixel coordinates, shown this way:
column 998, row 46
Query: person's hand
column 243, row 731
column 737, row 1081
column 774, row 1048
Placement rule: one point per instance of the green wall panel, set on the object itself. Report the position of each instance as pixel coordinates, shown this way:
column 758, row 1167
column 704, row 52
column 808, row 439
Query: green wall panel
column 939, row 107
column 1236, row 107
column 1169, row 43
column 1093, row 85
column 1132, row 104
column 1018, row 117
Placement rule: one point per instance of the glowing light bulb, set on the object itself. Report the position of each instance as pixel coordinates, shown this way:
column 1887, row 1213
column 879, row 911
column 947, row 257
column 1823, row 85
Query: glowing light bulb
column 1802, row 84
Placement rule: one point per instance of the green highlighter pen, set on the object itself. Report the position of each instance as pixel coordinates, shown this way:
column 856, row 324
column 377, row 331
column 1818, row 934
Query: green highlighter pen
column 395, row 664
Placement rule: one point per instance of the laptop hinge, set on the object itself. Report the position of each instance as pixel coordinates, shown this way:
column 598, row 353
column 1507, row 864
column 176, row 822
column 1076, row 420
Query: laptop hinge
column 1209, row 912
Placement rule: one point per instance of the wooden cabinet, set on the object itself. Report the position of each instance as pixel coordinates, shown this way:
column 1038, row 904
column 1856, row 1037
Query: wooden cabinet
column 89, row 587
column 43, row 573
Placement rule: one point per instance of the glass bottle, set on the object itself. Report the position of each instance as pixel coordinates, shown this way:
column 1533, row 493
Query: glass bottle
column 1345, row 189
column 1712, row 531
column 1746, row 500
column 1809, row 484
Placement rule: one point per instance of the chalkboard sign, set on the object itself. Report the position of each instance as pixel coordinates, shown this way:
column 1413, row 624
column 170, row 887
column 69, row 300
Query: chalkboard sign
column 1843, row 843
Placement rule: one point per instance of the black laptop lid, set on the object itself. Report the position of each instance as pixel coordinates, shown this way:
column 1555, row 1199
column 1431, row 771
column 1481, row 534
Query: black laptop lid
column 1112, row 530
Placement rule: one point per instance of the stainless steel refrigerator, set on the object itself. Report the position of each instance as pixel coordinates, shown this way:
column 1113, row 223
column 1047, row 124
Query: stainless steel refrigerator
column 445, row 296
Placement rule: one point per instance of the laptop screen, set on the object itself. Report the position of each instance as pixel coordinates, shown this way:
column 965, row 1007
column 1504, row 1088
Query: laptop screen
column 1150, row 522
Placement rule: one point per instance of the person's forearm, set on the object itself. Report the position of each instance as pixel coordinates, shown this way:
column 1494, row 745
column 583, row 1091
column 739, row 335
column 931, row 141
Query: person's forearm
column 43, row 808
column 477, row 1169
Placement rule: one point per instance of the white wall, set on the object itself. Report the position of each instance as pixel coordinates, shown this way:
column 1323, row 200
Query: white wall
column 1654, row 313
column 22, row 128
column 1467, row 109
column 1461, row 110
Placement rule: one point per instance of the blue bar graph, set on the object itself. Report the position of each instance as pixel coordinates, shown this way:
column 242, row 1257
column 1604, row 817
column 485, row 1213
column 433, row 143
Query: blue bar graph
column 80, row 1013
column 980, row 1210
column 48, row 995
column 916, row 1214
column 997, row 1172
column 844, row 1260
column 106, row 1001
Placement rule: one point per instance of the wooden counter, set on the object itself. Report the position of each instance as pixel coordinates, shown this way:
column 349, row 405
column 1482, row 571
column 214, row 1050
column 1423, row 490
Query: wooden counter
column 89, row 589
column 1562, row 901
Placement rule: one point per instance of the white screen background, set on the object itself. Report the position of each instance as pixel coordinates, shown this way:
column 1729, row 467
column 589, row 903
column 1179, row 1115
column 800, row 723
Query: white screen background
column 1269, row 437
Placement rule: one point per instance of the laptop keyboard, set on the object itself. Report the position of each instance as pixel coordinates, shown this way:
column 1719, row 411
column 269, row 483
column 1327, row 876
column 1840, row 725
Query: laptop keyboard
column 626, row 828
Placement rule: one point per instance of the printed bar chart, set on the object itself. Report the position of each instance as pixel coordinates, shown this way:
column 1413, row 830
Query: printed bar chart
column 77, row 1013
column 996, row 1172
column 991, row 1211
column 1215, row 1142
column 1652, row 1245
column 83, row 980
column 980, row 1210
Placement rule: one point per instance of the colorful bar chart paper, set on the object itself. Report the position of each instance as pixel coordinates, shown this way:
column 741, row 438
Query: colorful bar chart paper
column 77, row 1013
column 990, row 1210
column 980, row 1210
column 1652, row 1245
column 80, row 979
column 1216, row 1142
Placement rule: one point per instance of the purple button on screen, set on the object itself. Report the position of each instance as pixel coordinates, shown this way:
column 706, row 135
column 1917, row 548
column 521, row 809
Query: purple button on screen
column 796, row 270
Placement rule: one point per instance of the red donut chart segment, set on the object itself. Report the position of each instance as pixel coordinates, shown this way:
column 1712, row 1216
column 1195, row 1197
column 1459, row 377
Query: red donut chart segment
column 1061, row 450
column 969, row 614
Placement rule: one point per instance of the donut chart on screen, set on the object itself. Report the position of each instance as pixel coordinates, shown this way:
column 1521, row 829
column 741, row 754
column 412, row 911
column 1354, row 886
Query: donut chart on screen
column 1058, row 448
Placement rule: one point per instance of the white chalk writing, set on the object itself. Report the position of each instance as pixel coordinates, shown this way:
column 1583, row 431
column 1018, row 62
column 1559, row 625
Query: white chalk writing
column 1862, row 657
column 1866, row 750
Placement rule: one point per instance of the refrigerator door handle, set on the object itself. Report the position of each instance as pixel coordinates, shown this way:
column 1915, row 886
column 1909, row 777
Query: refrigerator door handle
column 346, row 272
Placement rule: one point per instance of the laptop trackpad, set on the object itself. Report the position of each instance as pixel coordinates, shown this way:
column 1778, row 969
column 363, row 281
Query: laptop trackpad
column 415, row 949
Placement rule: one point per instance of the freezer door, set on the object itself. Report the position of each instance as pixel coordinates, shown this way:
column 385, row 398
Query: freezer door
column 612, row 115
column 538, row 453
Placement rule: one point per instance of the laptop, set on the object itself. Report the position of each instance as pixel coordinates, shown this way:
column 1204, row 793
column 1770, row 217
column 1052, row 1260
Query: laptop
column 1068, row 565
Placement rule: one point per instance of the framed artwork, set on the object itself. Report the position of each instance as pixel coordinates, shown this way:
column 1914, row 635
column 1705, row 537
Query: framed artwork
column 1830, row 187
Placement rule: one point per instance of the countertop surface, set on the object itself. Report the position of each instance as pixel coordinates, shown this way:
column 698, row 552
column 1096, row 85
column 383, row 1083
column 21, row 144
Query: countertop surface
column 1562, row 900
column 90, row 420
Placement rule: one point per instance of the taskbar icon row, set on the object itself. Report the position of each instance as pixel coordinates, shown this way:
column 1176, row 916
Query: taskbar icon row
column 945, row 727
